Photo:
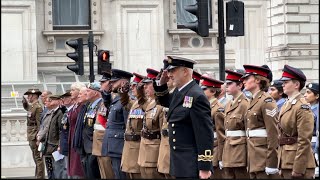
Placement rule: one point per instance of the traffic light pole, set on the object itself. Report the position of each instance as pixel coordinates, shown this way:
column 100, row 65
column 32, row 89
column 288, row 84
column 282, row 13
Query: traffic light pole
column 90, row 44
column 221, row 40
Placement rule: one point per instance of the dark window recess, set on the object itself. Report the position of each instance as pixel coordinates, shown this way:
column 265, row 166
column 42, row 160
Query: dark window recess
column 184, row 17
column 71, row 14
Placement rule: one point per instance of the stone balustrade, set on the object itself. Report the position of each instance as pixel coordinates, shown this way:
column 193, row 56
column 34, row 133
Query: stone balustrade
column 13, row 127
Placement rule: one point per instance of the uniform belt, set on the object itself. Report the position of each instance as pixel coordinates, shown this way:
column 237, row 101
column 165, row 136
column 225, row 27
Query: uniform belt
column 287, row 140
column 314, row 139
column 236, row 133
column 98, row 127
column 151, row 136
column 257, row 133
column 165, row 132
column 214, row 135
column 132, row 137
column 31, row 124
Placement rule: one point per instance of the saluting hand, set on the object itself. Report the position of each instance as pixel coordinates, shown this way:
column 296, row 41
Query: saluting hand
column 164, row 77
column 204, row 174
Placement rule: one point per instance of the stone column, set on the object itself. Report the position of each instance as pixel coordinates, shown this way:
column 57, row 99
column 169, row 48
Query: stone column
column 293, row 35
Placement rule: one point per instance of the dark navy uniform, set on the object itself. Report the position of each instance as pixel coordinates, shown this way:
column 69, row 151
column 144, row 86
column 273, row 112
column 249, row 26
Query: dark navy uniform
column 91, row 162
column 190, row 126
column 113, row 139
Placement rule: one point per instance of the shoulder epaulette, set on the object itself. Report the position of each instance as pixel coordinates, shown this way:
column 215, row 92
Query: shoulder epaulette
column 221, row 109
column 305, row 106
column 268, row 99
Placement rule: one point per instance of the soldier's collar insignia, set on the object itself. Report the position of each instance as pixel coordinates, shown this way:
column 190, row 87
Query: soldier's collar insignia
column 187, row 102
column 294, row 101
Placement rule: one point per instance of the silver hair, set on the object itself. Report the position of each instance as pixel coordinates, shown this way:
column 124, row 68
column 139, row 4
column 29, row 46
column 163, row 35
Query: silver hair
column 77, row 85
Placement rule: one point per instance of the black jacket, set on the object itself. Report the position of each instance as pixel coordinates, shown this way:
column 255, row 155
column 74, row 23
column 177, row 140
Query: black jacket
column 190, row 129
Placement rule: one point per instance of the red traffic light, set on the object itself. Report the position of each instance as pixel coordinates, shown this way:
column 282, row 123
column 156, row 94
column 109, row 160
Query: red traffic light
column 104, row 55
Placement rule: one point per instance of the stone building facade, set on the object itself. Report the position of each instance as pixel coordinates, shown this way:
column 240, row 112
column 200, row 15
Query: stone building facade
column 139, row 34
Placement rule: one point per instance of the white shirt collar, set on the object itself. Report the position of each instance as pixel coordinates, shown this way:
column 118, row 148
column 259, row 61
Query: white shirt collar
column 185, row 85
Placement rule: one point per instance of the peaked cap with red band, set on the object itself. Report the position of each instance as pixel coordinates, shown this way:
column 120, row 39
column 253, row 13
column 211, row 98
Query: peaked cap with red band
column 233, row 76
column 196, row 75
column 137, row 78
column 152, row 74
column 290, row 73
column 209, row 82
column 255, row 70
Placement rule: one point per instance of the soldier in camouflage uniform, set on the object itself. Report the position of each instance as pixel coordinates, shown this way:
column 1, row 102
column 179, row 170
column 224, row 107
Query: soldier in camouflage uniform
column 33, row 123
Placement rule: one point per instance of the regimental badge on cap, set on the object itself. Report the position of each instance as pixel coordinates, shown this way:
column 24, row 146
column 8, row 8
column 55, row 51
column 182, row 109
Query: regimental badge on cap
column 33, row 91
column 310, row 85
column 272, row 83
column 187, row 102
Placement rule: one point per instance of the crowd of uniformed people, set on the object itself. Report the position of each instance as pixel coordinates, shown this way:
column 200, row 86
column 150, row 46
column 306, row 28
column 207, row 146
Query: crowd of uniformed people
column 177, row 123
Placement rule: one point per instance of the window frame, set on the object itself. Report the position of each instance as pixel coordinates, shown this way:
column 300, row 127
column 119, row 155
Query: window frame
column 73, row 27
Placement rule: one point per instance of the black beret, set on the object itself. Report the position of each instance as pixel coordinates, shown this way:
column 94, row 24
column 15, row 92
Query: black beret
column 314, row 87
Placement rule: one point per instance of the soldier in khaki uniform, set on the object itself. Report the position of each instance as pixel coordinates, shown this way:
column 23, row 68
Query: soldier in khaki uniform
column 211, row 88
column 163, row 164
column 132, row 136
column 104, row 162
column 33, row 124
column 151, row 134
column 234, row 156
column 261, row 128
column 296, row 124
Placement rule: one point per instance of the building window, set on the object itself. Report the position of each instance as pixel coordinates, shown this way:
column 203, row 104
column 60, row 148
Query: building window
column 184, row 17
column 71, row 14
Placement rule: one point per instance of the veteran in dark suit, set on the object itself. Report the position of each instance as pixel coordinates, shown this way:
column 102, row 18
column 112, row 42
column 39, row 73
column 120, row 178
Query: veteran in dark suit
column 190, row 124
column 296, row 124
column 33, row 123
column 113, row 139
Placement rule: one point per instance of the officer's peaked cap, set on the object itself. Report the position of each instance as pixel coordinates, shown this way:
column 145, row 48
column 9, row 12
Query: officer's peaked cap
column 120, row 74
column 105, row 77
column 210, row 82
column 290, row 73
column 175, row 61
column 137, row 78
column 151, row 75
column 233, row 76
column 255, row 70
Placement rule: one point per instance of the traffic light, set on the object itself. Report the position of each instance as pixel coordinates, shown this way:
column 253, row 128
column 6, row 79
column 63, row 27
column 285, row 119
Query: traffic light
column 235, row 18
column 200, row 10
column 77, row 56
column 104, row 65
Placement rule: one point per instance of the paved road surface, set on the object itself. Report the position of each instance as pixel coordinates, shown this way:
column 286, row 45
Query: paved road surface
column 17, row 173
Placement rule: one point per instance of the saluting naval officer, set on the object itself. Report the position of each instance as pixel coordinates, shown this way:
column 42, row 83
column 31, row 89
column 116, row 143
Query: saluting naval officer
column 151, row 134
column 113, row 139
column 296, row 123
column 190, row 124
column 132, row 136
column 261, row 128
column 33, row 124
column 234, row 156
column 211, row 89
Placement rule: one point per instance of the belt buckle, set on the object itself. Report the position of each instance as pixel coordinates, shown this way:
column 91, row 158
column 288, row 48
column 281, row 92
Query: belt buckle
column 247, row 133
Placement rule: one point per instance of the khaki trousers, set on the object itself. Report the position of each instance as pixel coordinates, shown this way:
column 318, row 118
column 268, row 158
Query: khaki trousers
column 263, row 175
column 39, row 172
column 235, row 173
column 133, row 175
column 286, row 174
column 105, row 167
column 150, row 173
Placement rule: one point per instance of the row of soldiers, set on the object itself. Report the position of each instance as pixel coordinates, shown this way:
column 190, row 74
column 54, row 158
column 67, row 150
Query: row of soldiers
column 157, row 126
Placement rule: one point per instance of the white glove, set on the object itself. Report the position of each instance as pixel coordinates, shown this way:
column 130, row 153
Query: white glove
column 220, row 165
column 271, row 170
column 316, row 173
column 316, row 156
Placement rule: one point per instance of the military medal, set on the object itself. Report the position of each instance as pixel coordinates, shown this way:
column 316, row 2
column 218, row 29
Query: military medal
column 187, row 102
